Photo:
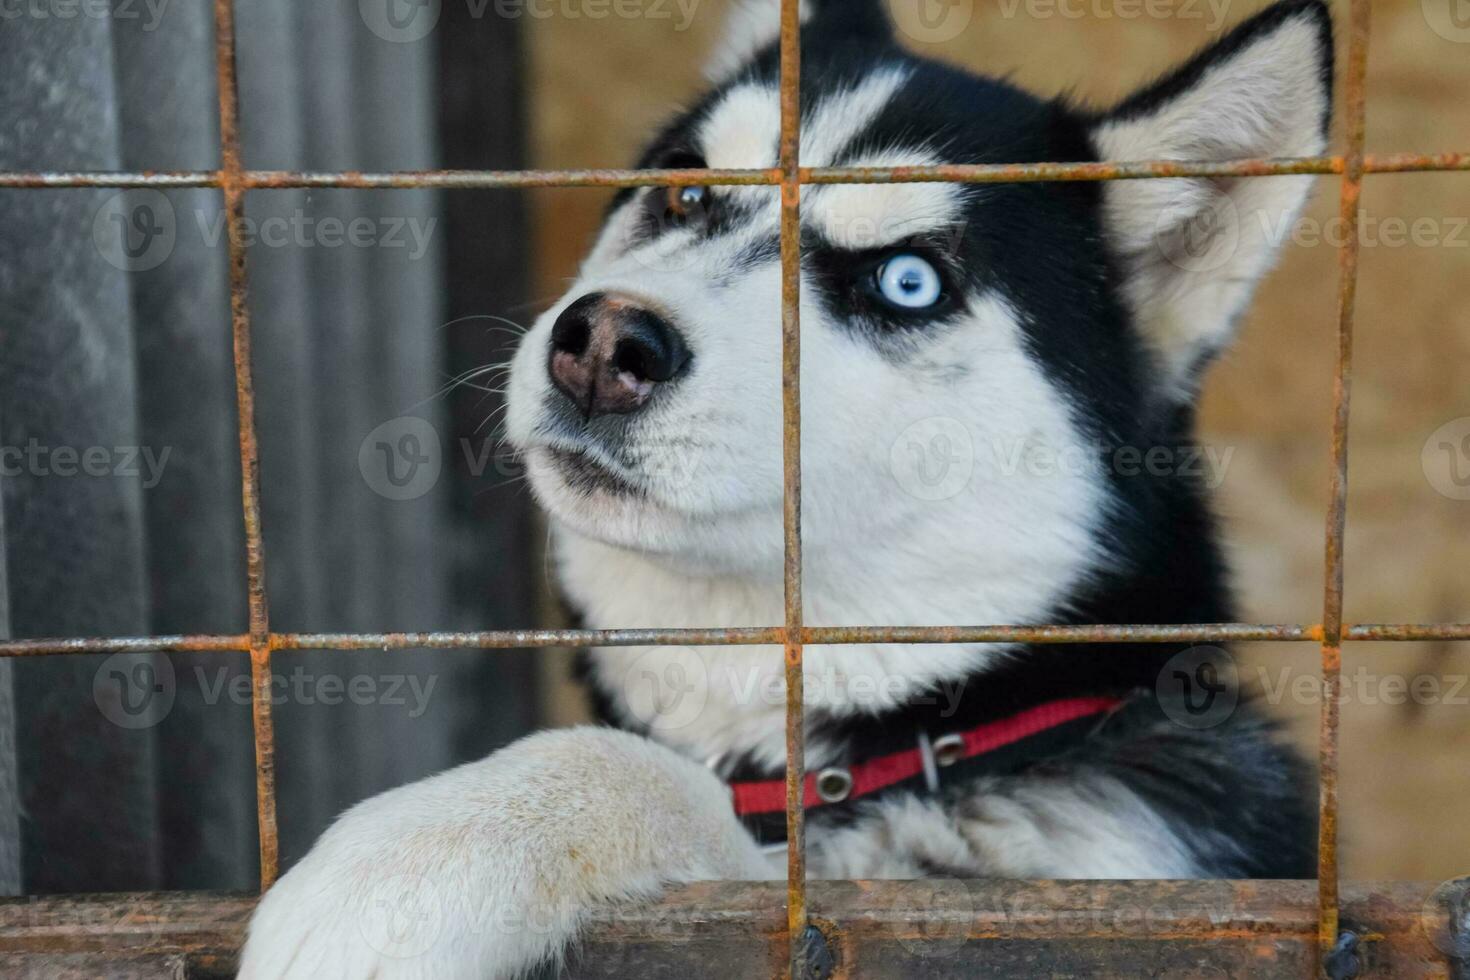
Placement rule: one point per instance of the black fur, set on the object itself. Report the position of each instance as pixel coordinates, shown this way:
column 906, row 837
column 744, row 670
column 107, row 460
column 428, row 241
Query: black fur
column 1234, row 791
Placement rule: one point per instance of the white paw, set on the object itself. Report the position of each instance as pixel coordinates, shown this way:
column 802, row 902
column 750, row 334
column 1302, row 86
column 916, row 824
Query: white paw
column 486, row 870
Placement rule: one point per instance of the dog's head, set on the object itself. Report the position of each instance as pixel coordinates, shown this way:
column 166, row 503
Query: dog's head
column 966, row 349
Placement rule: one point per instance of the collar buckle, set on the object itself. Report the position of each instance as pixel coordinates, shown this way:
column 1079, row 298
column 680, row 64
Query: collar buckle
column 938, row 753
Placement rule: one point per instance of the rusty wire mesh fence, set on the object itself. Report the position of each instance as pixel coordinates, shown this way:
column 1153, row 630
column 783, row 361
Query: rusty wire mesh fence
column 1266, row 913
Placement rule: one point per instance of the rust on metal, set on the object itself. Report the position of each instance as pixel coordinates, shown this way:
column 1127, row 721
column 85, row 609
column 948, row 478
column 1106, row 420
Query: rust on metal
column 485, row 179
column 1014, row 173
column 1354, row 115
column 1391, row 163
column 877, row 929
column 737, row 636
column 790, row 170
column 260, row 641
column 1407, row 631
column 42, row 179
column 59, row 646
column 1212, row 633
column 530, row 639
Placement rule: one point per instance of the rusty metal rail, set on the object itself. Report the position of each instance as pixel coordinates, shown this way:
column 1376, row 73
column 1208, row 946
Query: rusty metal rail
column 882, row 929
column 988, row 173
column 1354, row 114
column 798, row 945
column 874, row 930
column 259, row 647
column 737, row 636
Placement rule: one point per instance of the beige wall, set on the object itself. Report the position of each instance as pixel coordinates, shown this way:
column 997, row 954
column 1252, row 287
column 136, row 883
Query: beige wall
column 598, row 86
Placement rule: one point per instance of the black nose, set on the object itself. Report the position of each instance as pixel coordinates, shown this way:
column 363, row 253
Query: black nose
column 609, row 352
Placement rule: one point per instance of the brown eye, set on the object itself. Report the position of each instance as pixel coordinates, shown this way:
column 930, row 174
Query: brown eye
column 685, row 204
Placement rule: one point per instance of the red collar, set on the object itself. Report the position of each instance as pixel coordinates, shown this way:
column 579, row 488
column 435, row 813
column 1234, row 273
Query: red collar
column 833, row 785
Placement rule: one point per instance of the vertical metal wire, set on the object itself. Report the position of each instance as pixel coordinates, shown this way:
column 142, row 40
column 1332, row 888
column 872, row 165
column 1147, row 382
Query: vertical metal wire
column 233, row 187
column 796, row 918
column 1332, row 632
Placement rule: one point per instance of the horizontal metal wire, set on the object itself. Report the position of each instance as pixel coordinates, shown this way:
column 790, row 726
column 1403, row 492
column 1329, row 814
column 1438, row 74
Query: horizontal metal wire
column 945, row 173
column 738, row 636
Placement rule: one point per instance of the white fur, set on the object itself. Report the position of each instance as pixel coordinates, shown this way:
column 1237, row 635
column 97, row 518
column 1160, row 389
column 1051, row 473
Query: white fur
column 865, row 216
column 1266, row 101
column 1062, row 828
column 749, row 26
column 841, row 117
column 743, row 130
column 488, row 869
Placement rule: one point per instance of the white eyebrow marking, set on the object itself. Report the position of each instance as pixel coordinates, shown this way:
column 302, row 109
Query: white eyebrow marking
column 864, row 216
column 840, row 117
column 743, row 130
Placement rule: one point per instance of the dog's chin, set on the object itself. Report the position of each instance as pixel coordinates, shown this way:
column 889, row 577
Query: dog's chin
column 591, row 499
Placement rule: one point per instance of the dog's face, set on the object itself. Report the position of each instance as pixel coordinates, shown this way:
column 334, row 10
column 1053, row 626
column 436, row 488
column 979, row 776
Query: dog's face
column 967, row 350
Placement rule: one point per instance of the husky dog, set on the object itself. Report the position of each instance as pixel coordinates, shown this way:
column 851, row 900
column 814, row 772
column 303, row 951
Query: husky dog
column 997, row 395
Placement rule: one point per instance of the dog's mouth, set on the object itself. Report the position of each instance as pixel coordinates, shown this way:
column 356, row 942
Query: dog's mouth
column 582, row 471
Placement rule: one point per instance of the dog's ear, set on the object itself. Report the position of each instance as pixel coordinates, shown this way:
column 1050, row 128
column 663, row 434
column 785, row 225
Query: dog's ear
column 750, row 25
column 1194, row 249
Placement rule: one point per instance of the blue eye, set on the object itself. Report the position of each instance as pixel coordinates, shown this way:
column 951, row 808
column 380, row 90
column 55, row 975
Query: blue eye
column 908, row 281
